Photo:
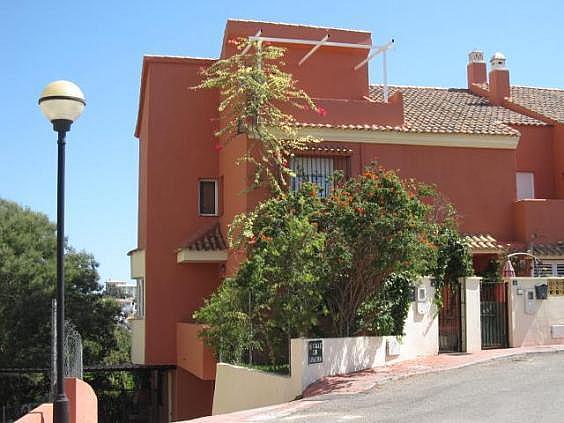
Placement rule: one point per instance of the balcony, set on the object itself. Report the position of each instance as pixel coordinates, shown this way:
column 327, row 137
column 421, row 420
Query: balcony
column 192, row 354
column 539, row 220
column 190, row 256
column 137, row 340
column 137, row 263
column 355, row 112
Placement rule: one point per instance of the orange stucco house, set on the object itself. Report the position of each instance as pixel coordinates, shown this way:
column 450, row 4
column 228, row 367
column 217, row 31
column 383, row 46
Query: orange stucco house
column 495, row 150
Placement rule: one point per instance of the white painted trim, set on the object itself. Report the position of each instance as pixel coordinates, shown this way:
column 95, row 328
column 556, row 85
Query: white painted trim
column 412, row 138
column 486, row 250
column 310, row 42
column 193, row 256
column 379, row 50
column 314, row 49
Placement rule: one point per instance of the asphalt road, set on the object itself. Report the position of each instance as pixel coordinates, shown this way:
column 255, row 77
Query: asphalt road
column 518, row 389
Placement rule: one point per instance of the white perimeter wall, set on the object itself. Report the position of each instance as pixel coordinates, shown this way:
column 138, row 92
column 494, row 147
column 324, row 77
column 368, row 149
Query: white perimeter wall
column 239, row 388
column 535, row 328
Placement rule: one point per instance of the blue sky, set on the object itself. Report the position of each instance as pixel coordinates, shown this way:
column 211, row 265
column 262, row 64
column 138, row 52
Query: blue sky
column 100, row 45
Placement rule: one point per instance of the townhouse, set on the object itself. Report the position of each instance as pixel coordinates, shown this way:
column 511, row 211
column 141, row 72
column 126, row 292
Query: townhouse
column 493, row 149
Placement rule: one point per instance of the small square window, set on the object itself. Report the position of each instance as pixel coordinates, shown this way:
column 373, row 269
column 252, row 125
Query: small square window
column 208, row 197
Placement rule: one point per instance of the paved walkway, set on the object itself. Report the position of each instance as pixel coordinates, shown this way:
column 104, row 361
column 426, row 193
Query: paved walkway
column 367, row 379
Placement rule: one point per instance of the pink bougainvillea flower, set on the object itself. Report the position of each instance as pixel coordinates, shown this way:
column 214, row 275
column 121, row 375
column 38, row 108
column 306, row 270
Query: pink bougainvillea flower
column 218, row 147
column 321, row 111
column 233, row 42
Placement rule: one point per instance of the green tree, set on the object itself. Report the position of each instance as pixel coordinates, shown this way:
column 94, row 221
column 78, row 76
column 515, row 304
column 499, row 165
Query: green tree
column 277, row 292
column 257, row 98
column 376, row 225
column 27, row 286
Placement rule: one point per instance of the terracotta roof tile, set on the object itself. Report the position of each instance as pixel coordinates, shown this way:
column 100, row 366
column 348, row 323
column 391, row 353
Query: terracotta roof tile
column 324, row 148
column 548, row 102
column 209, row 239
column 453, row 110
column 481, row 242
column 555, row 249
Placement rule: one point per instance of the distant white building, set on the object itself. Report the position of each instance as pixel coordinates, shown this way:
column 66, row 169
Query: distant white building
column 125, row 294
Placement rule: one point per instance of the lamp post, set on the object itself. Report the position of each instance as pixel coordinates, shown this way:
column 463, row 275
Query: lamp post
column 62, row 103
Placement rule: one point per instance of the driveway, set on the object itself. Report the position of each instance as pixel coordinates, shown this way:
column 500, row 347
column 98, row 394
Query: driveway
column 526, row 388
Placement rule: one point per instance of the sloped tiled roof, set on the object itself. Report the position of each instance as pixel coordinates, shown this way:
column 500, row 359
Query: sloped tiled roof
column 207, row 240
column 324, row 148
column 482, row 242
column 555, row 249
column 548, row 102
column 453, row 110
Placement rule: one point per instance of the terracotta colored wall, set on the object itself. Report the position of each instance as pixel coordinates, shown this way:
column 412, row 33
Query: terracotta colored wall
column 193, row 396
column 539, row 220
column 535, row 154
column 558, row 154
column 480, row 182
column 180, row 151
column 355, row 112
column 329, row 72
column 83, row 405
column 192, row 353
column 143, row 142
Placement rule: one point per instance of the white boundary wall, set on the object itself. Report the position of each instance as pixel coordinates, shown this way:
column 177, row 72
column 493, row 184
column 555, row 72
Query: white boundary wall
column 533, row 324
column 240, row 388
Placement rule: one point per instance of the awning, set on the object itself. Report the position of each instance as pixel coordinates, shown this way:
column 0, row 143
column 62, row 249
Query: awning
column 206, row 246
column 483, row 244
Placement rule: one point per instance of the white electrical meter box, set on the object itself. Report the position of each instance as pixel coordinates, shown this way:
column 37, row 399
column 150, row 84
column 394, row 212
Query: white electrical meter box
column 529, row 301
column 392, row 346
column 422, row 303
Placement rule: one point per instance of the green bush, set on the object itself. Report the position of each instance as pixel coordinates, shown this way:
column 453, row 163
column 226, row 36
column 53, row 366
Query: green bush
column 339, row 266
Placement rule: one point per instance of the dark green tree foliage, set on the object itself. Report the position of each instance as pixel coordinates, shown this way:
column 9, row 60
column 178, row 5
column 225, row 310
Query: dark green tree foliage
column 453, row 260
column 376, row 225
column 27, row 286
column 277, row 292
column 385, row 312
column 339, row 266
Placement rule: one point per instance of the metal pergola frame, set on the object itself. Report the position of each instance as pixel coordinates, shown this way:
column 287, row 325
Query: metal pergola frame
column 373, row 51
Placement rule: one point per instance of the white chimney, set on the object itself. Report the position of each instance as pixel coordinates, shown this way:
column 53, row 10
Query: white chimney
column 498, row 61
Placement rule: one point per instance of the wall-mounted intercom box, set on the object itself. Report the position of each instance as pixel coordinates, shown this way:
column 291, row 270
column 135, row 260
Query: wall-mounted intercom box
column 422, row 303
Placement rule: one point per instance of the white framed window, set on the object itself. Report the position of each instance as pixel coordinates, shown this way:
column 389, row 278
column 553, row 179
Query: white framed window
column 525, row 185
column 208, row 197
column 140, row 299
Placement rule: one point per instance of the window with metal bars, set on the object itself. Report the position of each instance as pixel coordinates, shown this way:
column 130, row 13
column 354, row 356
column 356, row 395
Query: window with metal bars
column 318, row 170
column 548, row 268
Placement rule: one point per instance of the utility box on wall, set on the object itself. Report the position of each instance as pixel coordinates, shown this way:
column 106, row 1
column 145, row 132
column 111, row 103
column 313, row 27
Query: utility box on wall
column 529, row 301
column 393, row 347
column 541, row 291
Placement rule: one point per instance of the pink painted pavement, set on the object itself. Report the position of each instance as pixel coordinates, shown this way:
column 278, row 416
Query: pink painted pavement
column 367, row 379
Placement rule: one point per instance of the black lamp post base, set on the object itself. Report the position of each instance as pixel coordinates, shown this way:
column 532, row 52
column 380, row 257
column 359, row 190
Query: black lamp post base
column 61, row 409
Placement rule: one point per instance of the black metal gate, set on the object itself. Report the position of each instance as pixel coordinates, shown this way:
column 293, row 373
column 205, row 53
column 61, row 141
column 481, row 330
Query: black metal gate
column 450, row 319
column 493, row 312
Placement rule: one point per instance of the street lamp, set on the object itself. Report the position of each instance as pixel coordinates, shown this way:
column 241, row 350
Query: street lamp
column 62, row 103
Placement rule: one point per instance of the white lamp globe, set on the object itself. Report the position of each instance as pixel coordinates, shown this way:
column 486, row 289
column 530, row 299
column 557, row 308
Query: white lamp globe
column 62, row 100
